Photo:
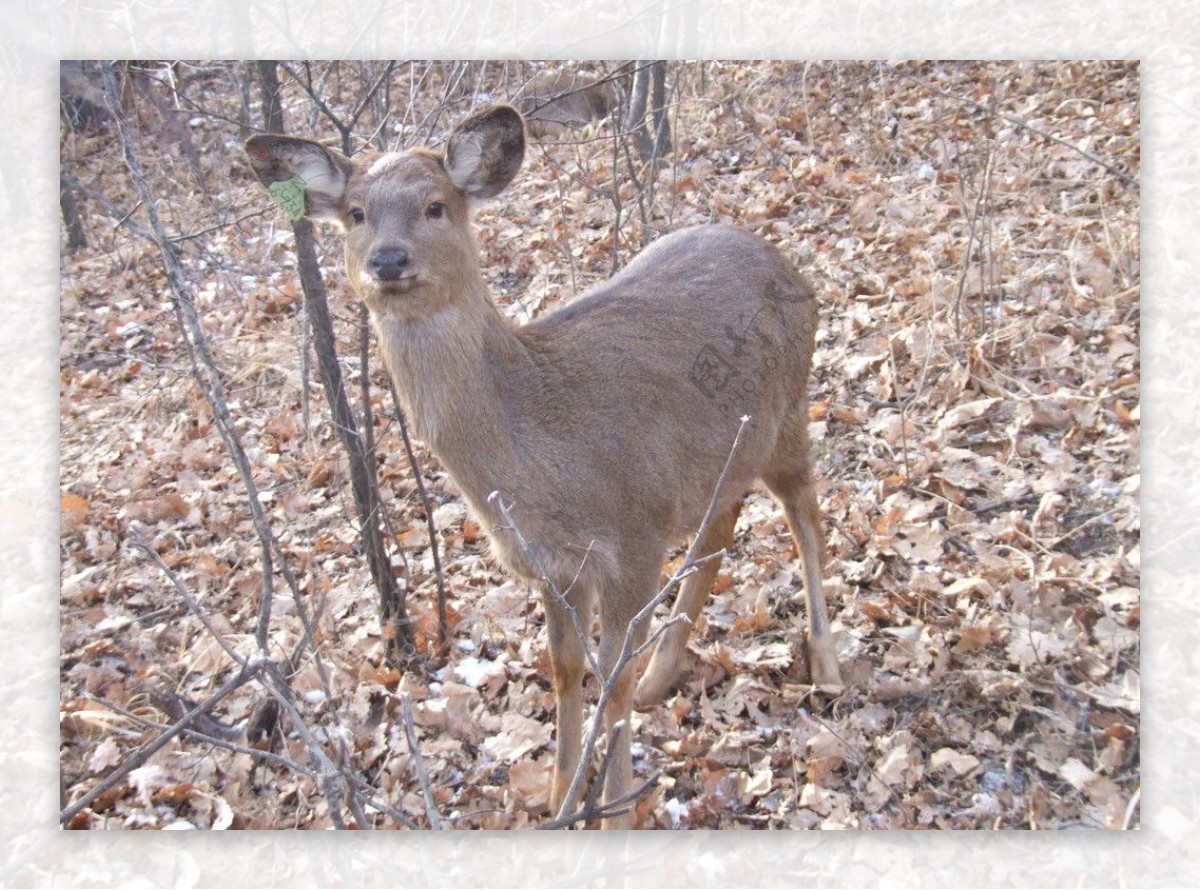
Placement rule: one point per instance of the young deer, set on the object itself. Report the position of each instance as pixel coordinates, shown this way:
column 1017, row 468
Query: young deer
column 606, row 424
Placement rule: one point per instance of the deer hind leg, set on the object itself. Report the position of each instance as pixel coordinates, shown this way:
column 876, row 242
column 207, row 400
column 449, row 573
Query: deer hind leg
column 789, row 478
column 667, row 662
column 567, row 658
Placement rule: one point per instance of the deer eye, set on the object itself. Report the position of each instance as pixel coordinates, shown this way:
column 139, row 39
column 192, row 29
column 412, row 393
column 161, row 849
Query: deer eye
column 435, row 210
column 358, row 215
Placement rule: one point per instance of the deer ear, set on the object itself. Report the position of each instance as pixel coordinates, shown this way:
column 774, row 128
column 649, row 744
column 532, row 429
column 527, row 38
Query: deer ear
column 323, row 173
column 484, row 152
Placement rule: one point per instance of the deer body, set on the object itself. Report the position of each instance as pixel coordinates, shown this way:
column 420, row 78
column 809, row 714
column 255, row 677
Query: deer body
column 604, row 426
column 546, row 413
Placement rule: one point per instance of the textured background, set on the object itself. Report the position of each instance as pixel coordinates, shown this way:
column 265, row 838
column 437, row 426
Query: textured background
column 1164, row 36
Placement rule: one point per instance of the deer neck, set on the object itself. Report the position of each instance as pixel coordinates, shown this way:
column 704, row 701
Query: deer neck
column 450, row 369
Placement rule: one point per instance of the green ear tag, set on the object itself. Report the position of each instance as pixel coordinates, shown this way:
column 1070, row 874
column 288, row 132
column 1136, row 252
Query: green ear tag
column 289, row 194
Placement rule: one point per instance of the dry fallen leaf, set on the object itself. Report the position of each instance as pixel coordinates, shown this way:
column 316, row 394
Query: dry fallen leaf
column 962, row 764
column 518, row 736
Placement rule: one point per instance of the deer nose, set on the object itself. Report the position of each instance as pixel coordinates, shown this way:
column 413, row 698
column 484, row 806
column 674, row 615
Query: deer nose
column 389, row 263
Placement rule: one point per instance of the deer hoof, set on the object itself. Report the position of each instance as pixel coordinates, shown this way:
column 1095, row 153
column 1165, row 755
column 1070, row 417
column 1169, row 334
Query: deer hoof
column 823, row 665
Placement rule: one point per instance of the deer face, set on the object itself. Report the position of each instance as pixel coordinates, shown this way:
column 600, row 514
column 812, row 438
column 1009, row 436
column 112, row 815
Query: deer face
column 408, row 234
column 406, row 216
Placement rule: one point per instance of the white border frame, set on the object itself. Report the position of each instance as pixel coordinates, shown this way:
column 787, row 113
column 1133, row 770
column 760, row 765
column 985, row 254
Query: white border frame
column 36, row 853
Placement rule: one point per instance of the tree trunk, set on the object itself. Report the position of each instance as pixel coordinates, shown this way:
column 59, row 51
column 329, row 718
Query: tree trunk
column 393, row 615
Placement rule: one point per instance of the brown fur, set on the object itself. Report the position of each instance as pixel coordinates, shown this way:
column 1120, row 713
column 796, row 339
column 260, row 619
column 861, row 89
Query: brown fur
column 604, row 425
column 554, row 102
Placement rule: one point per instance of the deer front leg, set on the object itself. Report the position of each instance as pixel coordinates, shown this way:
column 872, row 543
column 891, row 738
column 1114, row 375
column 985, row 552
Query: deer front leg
column 619, row 780
column 618, row 606
column 567, row 657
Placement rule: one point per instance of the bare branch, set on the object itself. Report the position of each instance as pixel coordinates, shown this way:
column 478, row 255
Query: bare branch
column 414, row 748
column 143, row 753
column 1017, row 122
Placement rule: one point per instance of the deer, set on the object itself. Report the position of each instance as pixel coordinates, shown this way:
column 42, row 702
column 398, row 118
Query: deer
column 588, row 441
column 555, row 102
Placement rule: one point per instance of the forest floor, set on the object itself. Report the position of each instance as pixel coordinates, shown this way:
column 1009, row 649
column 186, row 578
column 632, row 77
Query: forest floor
column 973, row 233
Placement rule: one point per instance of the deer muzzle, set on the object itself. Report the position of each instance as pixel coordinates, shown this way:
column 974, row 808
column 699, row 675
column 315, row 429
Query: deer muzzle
column 390, row 263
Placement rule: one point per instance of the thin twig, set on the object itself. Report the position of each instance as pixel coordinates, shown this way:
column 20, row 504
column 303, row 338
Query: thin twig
column 138, row 541
column 1017, row 122
column 430, row 522
column 143, row 753
column 628, row 652
column 414, row 749
column 560, row 596
column 208, row 738
column 209, row 379
column 327, row 770
column 1134, row 803
column 591, row 810
column 204, row 368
